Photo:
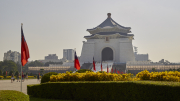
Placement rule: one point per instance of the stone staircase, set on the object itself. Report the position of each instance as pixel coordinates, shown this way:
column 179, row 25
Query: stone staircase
column 121, row 67
column 104, row 66
column 86, row 66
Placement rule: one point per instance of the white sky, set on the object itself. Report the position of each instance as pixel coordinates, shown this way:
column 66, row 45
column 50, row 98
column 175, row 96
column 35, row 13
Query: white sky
column 53, row 25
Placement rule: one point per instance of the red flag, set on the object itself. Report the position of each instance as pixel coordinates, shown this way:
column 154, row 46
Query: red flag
column 24, row 49
column 6, row 72
column 94, row 65
column 122, row 72
column 101, row 65
column 115, row 70
column 112, row 70
column 107, row 69
column 76, row 62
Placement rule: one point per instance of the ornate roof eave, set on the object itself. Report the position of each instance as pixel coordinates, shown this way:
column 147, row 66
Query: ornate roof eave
column 116, row 35
column 109, row 29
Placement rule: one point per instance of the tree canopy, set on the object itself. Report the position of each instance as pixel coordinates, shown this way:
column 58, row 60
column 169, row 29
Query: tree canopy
column 8, row 65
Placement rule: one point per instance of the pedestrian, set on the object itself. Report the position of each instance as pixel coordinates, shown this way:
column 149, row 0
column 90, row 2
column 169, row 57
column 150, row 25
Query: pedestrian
column 22, row 77
column 26, row 76
column 12, row 78
column 38, row 77
column 18, row 77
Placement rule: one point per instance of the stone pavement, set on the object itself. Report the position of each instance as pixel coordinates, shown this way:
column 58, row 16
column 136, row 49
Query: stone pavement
column 7, row 85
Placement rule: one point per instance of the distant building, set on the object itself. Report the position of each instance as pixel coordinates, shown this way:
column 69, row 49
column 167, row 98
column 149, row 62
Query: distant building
column 140, row 57
column 12, row 55
column 50, row 58
column 68, row 54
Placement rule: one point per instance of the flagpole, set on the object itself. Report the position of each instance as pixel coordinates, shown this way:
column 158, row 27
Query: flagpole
column 21, row 78
column 74, row 58
column 21, row 64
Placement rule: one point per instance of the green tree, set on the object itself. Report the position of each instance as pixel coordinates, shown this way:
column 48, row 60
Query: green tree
column 31, row 74
column 4, row 73
column 16, row 73
column 1, row 72
column 8, row 65
column 1, row 65
column 178, row 69
column 47, row 63
column 41, row 71
column 170, row 69
column 35, row 63
column 18, row 66
column 10, row 73
column 154, row 70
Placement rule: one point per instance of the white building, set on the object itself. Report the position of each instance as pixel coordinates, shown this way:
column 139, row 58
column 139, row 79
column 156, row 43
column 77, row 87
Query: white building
column 12, row 55
column 68, row 54
column 108, row 41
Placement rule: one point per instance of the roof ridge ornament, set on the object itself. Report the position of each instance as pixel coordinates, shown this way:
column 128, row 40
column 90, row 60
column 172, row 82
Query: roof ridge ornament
column 109, row 15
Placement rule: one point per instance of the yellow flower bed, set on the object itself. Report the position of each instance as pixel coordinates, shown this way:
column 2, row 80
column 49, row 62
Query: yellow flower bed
column 30, row 76
column 1, row 77
column 91, row 76
column 159, row 76
column 8, row 77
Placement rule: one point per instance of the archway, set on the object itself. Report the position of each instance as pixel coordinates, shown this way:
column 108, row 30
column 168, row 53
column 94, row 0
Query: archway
column 107, row 54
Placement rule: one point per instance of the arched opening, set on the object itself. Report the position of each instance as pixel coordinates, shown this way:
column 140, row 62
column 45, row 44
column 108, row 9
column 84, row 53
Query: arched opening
column 107, row 54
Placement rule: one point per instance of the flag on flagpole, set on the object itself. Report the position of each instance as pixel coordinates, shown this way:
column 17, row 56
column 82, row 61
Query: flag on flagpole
column 112, row 70
column 6, row 72
column 24, row 49
column 76, row 62
column 117, row 71
column 107, row 69
column 94, row 65
column 101, row 65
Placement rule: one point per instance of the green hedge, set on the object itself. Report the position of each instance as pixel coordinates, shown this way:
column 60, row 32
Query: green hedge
column 106, row 91
column 11, row 95
column 46, row 77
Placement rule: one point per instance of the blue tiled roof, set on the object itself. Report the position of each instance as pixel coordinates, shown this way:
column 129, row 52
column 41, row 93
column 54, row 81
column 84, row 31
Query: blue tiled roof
column 109, row 22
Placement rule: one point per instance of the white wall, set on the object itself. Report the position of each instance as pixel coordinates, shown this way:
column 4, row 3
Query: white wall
column 122, row 49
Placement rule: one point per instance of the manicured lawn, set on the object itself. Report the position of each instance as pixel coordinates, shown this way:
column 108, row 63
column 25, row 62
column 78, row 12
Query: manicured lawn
column 12, row 95
column 41, row 99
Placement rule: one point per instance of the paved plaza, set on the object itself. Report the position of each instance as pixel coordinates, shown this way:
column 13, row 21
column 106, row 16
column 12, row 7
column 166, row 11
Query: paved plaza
column 7, row 85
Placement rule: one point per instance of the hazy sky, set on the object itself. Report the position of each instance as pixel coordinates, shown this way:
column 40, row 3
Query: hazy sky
column 53, row 25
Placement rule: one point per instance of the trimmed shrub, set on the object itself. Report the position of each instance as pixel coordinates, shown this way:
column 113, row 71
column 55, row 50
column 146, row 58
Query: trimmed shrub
column 1, row 77
column 106, row 91
column 91, row 76
column 83, row 70
column 46, row 77
column 8, row 77
column 159, row 76
column 12, row 95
